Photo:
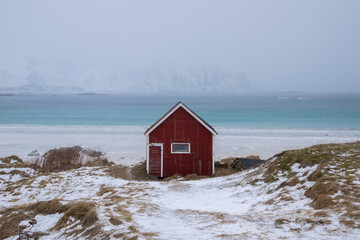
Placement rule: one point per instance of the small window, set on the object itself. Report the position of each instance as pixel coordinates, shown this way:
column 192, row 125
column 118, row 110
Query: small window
column 180, row 148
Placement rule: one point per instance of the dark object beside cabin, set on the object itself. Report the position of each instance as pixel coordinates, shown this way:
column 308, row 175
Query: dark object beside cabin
column 246, row 163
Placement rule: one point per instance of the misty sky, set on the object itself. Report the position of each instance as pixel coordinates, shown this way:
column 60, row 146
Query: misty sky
column 280, row 45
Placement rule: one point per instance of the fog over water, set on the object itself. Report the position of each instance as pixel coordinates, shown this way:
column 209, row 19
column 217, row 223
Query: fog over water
column 185, row 46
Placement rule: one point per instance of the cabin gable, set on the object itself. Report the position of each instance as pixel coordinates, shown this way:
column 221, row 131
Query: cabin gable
column 194, row 142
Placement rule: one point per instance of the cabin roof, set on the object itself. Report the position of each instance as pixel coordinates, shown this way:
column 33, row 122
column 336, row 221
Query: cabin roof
column 172, row 110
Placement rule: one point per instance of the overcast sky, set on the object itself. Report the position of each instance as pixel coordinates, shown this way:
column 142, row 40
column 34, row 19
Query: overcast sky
column 280, row 45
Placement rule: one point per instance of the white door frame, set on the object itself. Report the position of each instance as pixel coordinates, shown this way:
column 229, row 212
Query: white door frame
column 161, row 161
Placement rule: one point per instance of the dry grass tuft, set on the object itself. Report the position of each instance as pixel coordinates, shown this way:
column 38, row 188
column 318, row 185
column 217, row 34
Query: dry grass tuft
column 67, row 158
column 104, row 190
column 309, row 223
column 118, row 171
column 9, row 223
column 15, row 172
column 43, row 183
column 115, row 221
column 119, row 235
column 10, row 219
column 8, row 159
column 194, row 176
column 353, row 211
column 291, row 183
column 95, row 232
column 322, row 201
column 127, row 216
column 75, row 214
column 46, row 207
column 271, row 201
column 321, row 214
column 219, row 172
column 133, row 229
column 348, row 222
column 321, row 188
column 281, row 221
column 150, row 235
column 6, row 163
column 318, row 173
column 270, row 179
column 352, row 215
column 138, row 172
column 61, row 159
column 89, row 219
column 286, row 198
column 320, row 194
column 99, row 162
column 82, row 211
column 173, row 177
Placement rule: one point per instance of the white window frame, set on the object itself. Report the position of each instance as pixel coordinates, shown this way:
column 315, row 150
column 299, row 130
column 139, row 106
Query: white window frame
column 180, row 152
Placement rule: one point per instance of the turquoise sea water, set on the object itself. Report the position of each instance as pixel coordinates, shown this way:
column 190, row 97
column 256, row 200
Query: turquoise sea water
column 315, row 112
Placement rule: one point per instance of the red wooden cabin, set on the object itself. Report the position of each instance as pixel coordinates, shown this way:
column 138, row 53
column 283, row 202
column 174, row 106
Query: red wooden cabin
column 180, row 142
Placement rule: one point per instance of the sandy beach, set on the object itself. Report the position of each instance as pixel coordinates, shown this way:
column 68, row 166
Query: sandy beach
column 126, row 144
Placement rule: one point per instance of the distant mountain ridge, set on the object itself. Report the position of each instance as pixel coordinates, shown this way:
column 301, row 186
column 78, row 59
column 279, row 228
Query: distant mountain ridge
column 130, row 80
column 35, row 83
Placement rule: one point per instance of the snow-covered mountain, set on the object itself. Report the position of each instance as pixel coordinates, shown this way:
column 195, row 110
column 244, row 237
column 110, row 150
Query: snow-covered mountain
column 168, row 81
column 126, row 80
column 36, row 83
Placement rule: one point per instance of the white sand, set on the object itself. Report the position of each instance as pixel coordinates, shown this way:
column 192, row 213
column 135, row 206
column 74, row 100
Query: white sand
column 126, row 145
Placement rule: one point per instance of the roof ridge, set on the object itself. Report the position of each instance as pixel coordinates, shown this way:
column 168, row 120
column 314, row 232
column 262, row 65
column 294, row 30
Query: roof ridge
column 172, row 110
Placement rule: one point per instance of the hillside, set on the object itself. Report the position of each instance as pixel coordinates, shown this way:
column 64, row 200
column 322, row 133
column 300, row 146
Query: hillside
column 299, row 194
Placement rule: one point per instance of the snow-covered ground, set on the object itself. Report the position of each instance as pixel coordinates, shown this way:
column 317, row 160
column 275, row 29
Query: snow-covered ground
column 231, row 207
column 126, row 144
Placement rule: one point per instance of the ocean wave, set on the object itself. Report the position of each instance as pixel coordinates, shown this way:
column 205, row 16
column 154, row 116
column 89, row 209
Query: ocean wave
column 73, row 128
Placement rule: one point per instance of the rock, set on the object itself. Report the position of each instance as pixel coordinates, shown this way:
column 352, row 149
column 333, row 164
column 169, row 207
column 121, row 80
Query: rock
column 34, row 153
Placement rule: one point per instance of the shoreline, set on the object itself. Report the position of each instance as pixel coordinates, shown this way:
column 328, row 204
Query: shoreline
column 126, row 144
column 5, row 125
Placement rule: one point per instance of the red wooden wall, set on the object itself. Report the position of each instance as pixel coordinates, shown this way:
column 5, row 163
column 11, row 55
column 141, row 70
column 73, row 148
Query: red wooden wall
column 182, row 127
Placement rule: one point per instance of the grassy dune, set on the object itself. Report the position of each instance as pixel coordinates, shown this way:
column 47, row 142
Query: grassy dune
column 306, row 193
